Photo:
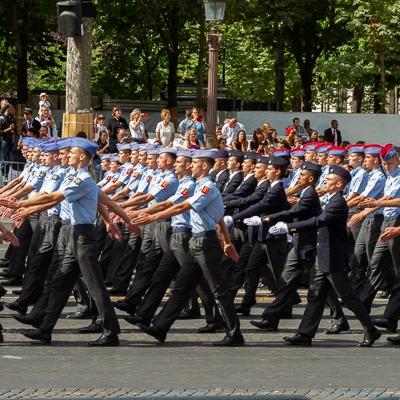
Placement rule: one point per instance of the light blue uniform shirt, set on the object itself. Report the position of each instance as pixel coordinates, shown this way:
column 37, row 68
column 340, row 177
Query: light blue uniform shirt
column 146, row 180
column 125, row 174
column 106, row 179
column 82, row 194
column 133, row 183
column 375, row 185
column 207, row 206
column 392, row 189
column 51, row 183
column 164, row 187
column 324, row 174
column 294, row 177
column 185, row 190
column 37, row 179
column 359, row 180
column 26, row 171
column 65, row 212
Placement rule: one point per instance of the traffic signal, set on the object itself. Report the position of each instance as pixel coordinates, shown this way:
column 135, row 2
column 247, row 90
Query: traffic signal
column 69, row 18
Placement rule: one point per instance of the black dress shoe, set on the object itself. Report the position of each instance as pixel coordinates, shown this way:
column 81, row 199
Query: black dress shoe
column 153, row 331
column 124, row 305
column 42, row 337
column 190, row 314
column 242, row 309
column 335, row 329
column 13, row 282
column 386, row 323
column 94, row 327
column 28, row 320
column 17, row 292
column 3, row 291
column 116, row 291
column 265, row 325
column 105, row 341
column 370, row 338
column 1, row 337
column 227, row 341
column 80, row 315
column 211, row 328
column 15, row 306
column 394, row 339
column 6, row 274
column 136, row 319
column 298, row 340
column 287, row 314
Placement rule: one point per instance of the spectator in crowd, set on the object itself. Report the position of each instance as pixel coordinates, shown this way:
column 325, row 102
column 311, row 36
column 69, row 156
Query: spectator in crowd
column 307, row 127
column 29, row 122
column 192, row 142
column 16, row 157
column 44, row 101
column 32, row 132
column 258, row 142
column 266, row 127
column 272, row 137
column 297, row 142
column 122, row 137
column 99, row 126
column 165, row 130
column 116, row 121
column 185, row 124
column 332, row 134
column 3, row 105
column 46, row 119
column 43, row 132
column 103, row 142
column 296, row 125
column 8, row 127
column 221, row 143
column 198, row 124
column 313, row 136
column 241, row 142
column 81, row 134
column 283, row 144
column 290, row 134
column 136, row 126
column 321, row 139
column 230, row 131
column 218, row 132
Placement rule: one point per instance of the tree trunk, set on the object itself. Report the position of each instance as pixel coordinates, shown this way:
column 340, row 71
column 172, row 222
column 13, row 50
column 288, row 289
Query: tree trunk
column 306, row 74
column 20, row 32
column 379, row 95
column 279, row 71
column 358, row 93
column 79, row 55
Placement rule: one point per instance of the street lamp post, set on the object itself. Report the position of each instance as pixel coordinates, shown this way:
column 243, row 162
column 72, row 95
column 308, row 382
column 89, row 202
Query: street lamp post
column 215, row 11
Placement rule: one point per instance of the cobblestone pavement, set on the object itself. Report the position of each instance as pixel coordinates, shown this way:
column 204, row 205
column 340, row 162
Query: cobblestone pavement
column 186, row 365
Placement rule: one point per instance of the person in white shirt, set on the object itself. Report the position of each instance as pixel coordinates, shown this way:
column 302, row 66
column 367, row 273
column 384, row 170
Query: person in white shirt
column 165, row 130
column 230, row 131
column 136, row 126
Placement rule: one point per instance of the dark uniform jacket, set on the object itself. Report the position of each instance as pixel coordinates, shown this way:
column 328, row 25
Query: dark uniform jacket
column 332, row 242
column 305, row 241
column 247, row 187
column 243, row 202
column 221, row 180
column 273, row 201
column 232, row 184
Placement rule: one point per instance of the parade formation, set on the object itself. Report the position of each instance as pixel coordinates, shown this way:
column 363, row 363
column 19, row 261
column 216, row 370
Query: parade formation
column 205, row 223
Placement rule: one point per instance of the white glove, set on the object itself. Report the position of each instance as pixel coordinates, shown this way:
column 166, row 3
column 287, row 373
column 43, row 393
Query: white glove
column 279, row 229
column 253, row 221
column 228, row 221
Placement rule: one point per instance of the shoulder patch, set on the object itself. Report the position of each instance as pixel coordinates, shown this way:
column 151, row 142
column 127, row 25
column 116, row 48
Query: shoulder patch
column 185, row 192
column 149, row 179
column 70, row 177
column 136, row 175
column 55, row 177
column 114, row 180
column 165, row 184
column 205, row 190
column 108, row 178
column 78, row 181
column 42, row 174
column 129, row 171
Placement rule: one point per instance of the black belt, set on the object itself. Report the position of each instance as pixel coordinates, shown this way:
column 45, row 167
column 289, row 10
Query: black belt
column 205, row 234
column 181, row 229
column 82, row 226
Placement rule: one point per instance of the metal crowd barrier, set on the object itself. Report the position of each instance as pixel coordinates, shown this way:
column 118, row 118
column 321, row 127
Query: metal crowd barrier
column 10, row 170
